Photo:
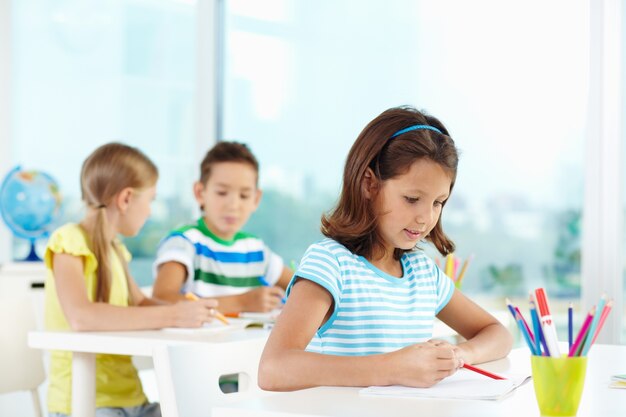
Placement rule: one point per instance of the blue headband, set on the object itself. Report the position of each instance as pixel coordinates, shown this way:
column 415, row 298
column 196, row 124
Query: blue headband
column 415, row 127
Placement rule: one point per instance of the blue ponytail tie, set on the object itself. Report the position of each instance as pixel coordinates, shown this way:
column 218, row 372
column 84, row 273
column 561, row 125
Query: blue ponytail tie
column 415, row 127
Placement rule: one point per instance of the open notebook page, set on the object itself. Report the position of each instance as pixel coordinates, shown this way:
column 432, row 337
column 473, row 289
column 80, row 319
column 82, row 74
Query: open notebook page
column 464, row 384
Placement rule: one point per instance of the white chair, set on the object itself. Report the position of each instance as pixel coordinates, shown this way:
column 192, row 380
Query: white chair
column 22, row 367
column 188, row 375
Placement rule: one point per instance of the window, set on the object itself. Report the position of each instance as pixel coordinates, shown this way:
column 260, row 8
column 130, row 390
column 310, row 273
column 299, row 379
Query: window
column 300, row 85
column 89, row 73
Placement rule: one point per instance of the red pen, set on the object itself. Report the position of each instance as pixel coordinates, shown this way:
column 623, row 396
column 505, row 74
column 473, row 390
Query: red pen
column 482, row 371
column 547, row 324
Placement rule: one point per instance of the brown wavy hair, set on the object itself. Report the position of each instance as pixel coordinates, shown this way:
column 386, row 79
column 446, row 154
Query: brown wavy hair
column 107, row 171
column 353, row 221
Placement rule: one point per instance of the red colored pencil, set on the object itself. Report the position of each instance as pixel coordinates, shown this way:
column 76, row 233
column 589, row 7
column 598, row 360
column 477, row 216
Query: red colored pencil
column 482, row 371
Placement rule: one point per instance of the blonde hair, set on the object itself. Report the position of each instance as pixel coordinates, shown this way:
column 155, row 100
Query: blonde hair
column 107, row 171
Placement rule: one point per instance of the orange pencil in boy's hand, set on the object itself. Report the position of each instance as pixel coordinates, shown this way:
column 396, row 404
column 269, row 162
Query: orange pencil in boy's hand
column 191, row 296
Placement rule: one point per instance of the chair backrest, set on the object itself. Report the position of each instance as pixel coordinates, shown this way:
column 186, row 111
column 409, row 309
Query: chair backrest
column 188, row 375
column 22, row 367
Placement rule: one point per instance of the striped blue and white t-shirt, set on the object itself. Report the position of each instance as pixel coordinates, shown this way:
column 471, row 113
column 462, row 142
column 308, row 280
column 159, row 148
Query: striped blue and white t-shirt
column 374, row 312
column 216, row 267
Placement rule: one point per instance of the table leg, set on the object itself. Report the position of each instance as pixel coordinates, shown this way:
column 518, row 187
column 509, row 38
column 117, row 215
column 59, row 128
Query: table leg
column 83, row 384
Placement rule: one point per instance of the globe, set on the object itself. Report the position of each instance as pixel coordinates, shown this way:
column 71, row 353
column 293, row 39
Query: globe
column 30, row 202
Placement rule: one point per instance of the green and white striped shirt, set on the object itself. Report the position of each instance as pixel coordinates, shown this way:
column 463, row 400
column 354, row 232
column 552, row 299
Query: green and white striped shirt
column 217, row 267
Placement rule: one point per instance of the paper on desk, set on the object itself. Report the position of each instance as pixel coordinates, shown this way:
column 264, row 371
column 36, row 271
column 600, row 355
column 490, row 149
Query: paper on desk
column 268, row 317
column 617, row 384
column 463, row 384
column 214, row 326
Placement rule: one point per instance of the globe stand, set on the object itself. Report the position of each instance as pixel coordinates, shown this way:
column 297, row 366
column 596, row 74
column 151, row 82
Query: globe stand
column 32, row 256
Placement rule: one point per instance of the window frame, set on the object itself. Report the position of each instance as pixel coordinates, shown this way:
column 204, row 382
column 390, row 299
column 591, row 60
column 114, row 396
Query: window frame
column 602, row 265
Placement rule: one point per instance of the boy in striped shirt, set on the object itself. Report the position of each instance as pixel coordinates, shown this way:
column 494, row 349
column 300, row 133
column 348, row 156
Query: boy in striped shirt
column 213, row 257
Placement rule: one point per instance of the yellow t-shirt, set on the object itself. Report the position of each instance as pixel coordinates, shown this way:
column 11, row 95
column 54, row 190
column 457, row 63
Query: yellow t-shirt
column 117, row 381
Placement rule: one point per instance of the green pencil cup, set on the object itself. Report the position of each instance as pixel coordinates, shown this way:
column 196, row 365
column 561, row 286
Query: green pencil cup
column 558, row 383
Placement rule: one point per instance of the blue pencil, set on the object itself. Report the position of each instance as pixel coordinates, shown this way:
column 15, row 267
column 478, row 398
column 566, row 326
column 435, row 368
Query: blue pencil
column 570, row 324
column 536, row 329
column 520, row 323
column 522, row 328
column 510, row 306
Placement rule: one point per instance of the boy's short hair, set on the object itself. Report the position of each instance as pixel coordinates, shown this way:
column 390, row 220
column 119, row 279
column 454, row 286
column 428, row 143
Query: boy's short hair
column 227, row 152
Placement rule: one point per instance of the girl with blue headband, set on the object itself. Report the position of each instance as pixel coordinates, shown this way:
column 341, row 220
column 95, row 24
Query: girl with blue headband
column 363, row 302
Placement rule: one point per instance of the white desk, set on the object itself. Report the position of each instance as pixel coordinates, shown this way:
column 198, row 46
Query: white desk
column 85, row 345
column 597, row 399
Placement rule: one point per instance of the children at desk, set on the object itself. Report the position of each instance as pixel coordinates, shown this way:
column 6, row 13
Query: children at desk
column 362, row 303
column 89, row 287
column 213, row 257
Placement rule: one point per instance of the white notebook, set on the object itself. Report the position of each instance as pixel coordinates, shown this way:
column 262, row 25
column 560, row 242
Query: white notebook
column 214, row 326
column 464, row 384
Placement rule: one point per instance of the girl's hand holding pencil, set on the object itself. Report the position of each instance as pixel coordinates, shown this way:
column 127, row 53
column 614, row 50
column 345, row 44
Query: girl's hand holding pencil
column 202, row 311
column 423, row 364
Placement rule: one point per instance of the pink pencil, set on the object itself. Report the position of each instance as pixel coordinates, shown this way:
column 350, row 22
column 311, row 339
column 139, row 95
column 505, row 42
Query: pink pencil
column 605, row 312
column 583, row 330
column 457, row 262
column 530, row 333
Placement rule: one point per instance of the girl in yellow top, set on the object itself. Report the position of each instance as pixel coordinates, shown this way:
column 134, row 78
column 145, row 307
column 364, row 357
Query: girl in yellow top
column 88, row 286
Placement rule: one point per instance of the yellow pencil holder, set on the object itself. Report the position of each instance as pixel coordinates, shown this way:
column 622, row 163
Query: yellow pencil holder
column 558, row 383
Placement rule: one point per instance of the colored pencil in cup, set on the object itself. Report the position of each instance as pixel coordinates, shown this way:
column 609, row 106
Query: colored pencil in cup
column 510, row 307
column 530, row 333
column 570, row 324
column 582, row 332
column 525, row 333
column 579, row 349
column 523, row 329
column 537, row 329
column 482, row 371
column 605, row 312
column 593, row 326
column 191, row 296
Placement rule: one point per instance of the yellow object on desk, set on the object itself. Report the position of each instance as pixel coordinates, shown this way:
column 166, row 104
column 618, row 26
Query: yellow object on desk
column 558, row 383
